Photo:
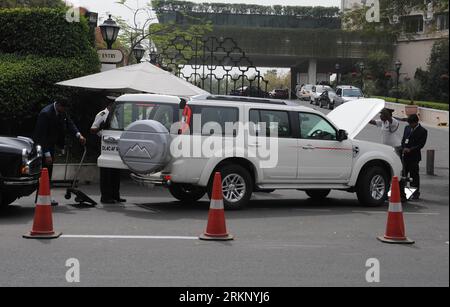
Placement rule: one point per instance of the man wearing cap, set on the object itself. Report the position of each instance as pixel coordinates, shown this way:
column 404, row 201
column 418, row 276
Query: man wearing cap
column 109, row 177
column 389, row 128
column 414, row 139
column 52, row 126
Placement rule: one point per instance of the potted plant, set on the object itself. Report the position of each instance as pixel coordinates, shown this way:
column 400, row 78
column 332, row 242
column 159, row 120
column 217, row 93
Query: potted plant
column 411, row 88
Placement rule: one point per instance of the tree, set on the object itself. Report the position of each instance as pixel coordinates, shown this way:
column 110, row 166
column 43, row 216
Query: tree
column 378, row 63
column 356, row 19
column 434, row 80
column 152, row 34
column 277, row 80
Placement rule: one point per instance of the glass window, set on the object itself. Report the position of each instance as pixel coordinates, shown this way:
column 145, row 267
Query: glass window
column 221, row 116
column 442, row 21
column 129, row 112
column 315, row 127
column 270, row 119
column 413, row 24
column 352, row 93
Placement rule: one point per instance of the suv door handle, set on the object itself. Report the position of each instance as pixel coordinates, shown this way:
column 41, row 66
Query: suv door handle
column 111, row 139
column 308, row 147
column 254, row 145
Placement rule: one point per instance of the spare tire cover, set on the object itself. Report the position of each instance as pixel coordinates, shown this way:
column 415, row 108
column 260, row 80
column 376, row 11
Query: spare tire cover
column 144, row 146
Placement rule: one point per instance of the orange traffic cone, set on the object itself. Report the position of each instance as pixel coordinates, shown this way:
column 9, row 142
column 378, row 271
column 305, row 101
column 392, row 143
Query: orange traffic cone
column 43, row 221
column 216, row 229
column 395, row 230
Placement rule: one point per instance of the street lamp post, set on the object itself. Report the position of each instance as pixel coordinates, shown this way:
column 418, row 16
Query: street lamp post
column 110, row 30
column 153, row 56
column 338, row 68
column 398, row 66
column 362, row 67
column 139, row 52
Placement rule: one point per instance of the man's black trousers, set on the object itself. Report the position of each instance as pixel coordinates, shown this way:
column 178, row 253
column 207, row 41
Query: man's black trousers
column 110, row 183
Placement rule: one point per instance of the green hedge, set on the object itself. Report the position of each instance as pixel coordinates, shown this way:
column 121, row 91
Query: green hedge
column 28, row 82
column 425, row 104
column 39, row 48
column 241, row 8
column 44, row 31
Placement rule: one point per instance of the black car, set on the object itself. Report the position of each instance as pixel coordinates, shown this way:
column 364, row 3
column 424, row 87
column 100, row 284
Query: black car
column 20, row 168
column 250, row 91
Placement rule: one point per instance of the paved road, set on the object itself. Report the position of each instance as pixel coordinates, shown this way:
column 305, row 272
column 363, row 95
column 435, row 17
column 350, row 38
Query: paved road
column 282, row 239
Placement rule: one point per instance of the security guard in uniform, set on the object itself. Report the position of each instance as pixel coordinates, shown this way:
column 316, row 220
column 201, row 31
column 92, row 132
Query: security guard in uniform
column 109, row 177
column 414, row 140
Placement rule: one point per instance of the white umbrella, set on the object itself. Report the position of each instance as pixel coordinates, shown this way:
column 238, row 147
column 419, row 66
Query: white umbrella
column 143, row 77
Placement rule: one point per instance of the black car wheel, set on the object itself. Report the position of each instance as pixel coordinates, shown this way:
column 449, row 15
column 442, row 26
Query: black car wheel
column 6, row 199
column 186, row 193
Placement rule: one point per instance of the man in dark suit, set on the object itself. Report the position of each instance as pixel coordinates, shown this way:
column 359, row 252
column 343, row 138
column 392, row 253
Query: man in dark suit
column 52, row 126
column 414, row 139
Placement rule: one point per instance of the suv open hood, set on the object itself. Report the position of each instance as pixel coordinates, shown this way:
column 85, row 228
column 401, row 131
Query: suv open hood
column 354, row 115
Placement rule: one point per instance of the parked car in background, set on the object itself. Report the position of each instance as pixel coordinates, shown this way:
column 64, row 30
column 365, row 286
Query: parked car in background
column 317, row 92
column 279, row 94
column 347, row 93
column 20, row 168
column 250, row 91
column 304, row 92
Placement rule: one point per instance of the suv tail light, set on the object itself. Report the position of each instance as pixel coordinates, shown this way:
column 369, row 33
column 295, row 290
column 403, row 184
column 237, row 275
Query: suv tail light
column 186, row 119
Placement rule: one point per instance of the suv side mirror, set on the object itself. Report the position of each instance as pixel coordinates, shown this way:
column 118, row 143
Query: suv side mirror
column 342, row 135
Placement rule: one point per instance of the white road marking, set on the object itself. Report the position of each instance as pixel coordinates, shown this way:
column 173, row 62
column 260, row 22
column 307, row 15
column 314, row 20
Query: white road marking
column 128, row 237
column 405, row 213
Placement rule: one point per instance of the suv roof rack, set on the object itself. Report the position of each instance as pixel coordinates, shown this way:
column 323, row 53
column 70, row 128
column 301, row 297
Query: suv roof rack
column 246, row 99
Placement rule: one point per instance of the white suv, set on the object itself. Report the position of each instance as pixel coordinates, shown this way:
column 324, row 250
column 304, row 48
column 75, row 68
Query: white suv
column 309, row 152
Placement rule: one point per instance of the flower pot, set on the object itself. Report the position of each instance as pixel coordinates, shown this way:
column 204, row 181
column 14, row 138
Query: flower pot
column 411, row 109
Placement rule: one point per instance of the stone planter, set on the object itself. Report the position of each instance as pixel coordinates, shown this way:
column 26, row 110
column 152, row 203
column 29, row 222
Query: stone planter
column 411, row 109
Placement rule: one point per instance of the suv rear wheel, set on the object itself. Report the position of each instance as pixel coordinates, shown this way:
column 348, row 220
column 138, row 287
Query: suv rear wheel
column 237, row 186
column 373, row 186
column 317, row 194
column 186, row 193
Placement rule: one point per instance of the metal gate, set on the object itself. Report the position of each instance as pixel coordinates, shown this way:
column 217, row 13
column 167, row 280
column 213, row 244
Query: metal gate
column 217, row 65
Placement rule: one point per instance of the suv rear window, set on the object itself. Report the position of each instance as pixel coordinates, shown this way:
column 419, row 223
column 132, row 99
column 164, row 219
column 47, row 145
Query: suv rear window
column 219, row 115
column 129, row 112
column 270, row 117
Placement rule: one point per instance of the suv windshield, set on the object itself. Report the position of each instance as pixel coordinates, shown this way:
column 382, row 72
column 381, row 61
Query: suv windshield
column 352, row 93
column 129, row 112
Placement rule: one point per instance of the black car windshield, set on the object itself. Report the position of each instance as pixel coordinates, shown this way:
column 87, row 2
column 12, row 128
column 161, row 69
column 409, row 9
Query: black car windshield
column 354, row 92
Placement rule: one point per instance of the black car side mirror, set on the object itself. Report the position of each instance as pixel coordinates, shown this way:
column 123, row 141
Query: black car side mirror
column 342, row 135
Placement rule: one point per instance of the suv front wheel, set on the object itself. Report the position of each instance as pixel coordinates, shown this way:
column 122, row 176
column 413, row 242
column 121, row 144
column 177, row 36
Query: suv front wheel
column 373, row 186
column 237, row 186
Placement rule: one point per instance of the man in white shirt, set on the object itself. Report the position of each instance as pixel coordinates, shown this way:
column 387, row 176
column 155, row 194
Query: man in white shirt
column 109, row 177
column 389, row 128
